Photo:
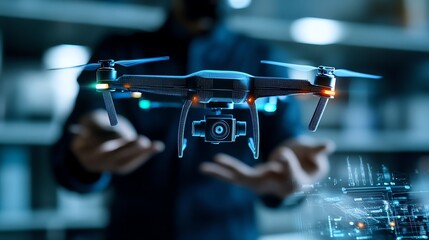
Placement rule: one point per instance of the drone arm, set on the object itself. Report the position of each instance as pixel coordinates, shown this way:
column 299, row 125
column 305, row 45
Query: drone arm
column 274, row 86
column 267, row 86
column 158, row 84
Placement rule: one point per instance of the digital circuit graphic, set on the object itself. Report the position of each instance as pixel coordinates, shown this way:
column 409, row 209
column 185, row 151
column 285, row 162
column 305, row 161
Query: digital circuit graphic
column 368, row 201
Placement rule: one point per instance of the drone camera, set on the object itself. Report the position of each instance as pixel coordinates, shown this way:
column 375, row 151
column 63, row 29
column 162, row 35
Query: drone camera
column 219, row 128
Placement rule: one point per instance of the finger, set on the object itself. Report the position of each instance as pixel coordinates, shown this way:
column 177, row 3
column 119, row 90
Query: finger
column 234, row 165
column 285, row 157
column 117, row 155
column 75, row 129
column 308, row 170
column 323, row 147
column 96, row 120
column 85, row 141
column 317, row 165
column 133, row 162
column 314, row 161
column 158, row 146
column 104, row 156
column 290, row 163
column 98, row 124
column 82, row 144
column 218, row 171
column 135, row 153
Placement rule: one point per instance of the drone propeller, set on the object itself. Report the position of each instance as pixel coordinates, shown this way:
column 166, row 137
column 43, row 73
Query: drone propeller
column 111, row 63
column 338, row 72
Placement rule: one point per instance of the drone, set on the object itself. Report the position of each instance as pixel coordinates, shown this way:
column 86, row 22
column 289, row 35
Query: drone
column 217, row 90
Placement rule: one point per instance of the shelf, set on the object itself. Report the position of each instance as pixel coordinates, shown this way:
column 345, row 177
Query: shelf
column 51, row 219
column 30, row 133
column 354, row 34
column 140, row 17
column 107, row 14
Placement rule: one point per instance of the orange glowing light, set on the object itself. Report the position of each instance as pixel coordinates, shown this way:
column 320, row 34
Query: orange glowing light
column 251, row 100
column 392, row 224
column 361, row 225
column 328, row 92
column 195, row 99
column 127, row 85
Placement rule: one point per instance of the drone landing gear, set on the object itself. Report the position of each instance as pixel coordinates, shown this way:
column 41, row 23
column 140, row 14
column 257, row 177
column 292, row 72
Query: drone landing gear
column 320, row 108
column 181, row 143
column 110, row 108
column 254, row 142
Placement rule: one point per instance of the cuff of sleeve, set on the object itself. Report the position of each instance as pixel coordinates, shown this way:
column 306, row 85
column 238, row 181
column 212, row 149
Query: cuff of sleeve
column 101, row 183
column 84, row 181
column 271, row 201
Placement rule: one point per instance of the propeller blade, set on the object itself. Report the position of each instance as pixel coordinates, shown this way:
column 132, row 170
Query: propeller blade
column 290, row 65
column 129, row 63
column 86, row 67
column 91, row 67
column 338, row 72
column 124, row 63
column 348, row 73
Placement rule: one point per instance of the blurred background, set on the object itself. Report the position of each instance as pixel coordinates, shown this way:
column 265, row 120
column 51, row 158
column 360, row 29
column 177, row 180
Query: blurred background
column 384, row 120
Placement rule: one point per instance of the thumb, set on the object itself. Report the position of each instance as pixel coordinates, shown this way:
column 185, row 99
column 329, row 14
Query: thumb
column 157, row 146
column 323, row 147
column 147, row 147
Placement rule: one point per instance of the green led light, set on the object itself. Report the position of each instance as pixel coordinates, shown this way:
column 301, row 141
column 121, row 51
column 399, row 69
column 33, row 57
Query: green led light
column 144, row 104
column 269, row 107
column 89, row 86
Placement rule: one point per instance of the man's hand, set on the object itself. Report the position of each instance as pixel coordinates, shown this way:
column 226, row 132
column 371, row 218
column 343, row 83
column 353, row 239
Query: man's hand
column 100, row 147
column 290, row 165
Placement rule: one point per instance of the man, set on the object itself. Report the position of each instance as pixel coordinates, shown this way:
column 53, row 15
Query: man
column 210, row 192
